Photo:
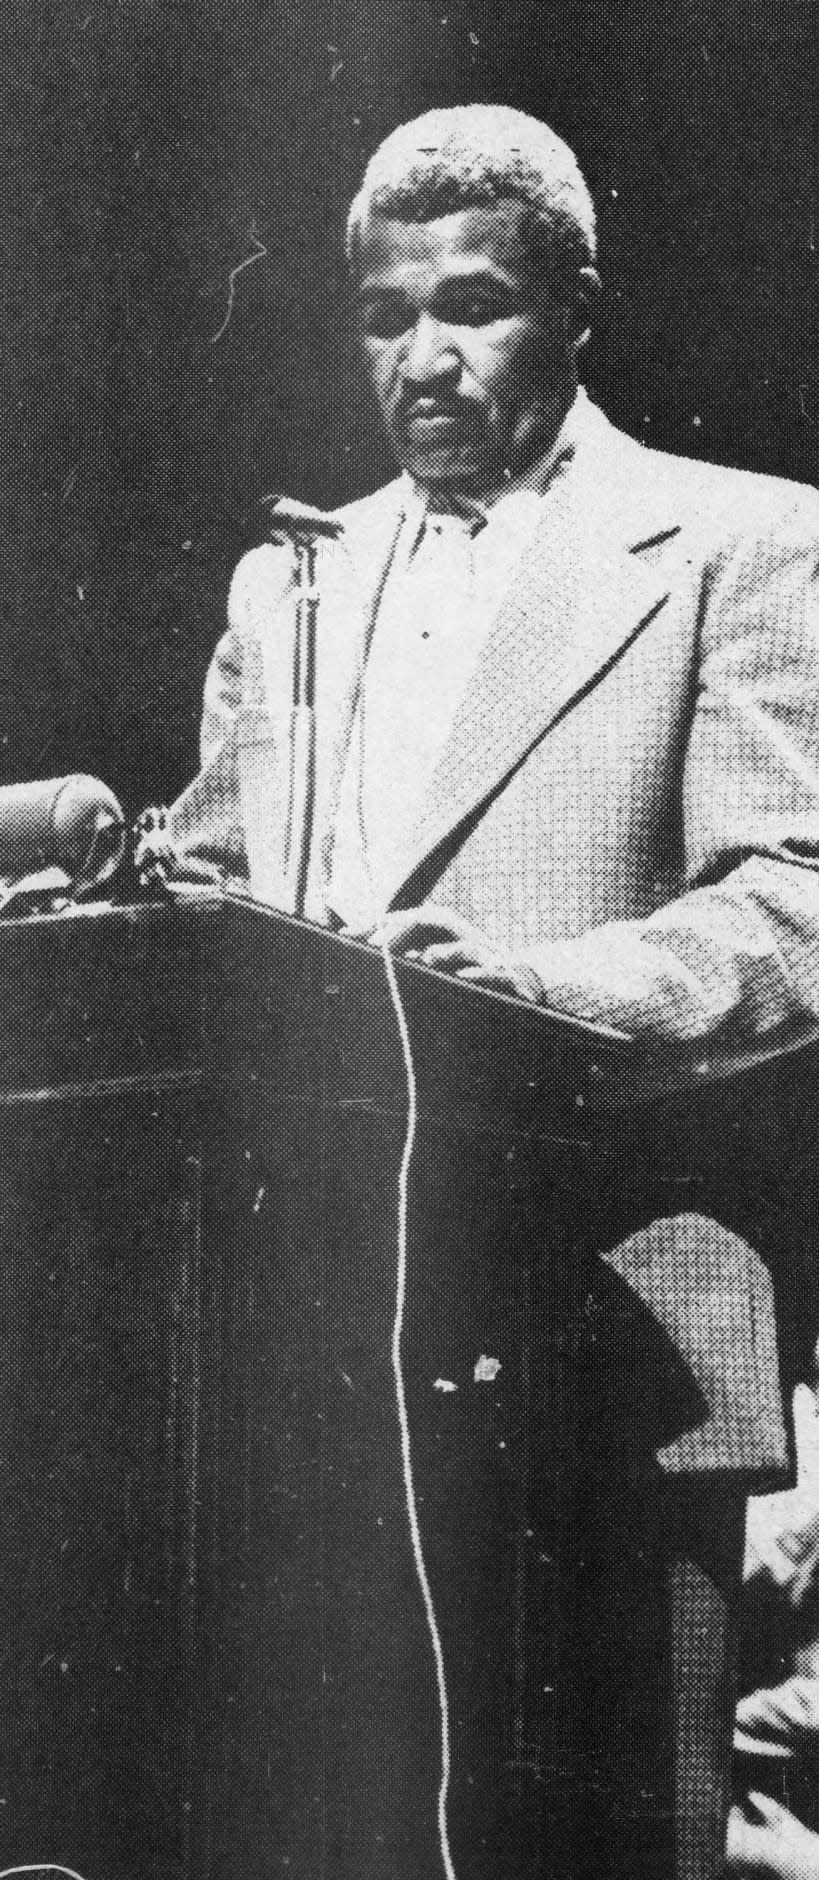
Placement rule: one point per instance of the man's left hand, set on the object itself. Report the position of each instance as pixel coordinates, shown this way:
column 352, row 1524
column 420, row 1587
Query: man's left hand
column 439, row 937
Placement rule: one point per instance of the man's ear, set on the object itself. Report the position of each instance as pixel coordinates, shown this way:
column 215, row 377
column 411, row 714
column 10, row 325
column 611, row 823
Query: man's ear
column 587, row 294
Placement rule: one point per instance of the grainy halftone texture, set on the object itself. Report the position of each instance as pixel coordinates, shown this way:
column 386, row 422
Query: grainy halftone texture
column 629, row 794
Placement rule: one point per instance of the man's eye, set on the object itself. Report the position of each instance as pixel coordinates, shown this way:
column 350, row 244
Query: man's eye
column 473, row 310
column 388, row 319
column 385, row 319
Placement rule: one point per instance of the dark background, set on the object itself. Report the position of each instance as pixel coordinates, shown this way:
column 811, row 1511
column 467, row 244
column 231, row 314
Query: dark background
column 151, row 147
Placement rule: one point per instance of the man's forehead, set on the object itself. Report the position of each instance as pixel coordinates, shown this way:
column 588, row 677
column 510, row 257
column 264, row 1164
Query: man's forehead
column 481, row 235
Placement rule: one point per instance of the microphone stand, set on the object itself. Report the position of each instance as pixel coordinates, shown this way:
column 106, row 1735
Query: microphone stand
column 302, row 726
column 303, row 526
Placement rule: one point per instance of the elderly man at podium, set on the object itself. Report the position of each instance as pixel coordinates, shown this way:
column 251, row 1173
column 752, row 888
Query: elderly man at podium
column 564, row 690
column 544, row 711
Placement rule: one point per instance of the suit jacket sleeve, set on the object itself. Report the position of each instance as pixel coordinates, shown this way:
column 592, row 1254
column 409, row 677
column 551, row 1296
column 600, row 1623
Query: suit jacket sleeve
column 206, row 820
column 741, row 944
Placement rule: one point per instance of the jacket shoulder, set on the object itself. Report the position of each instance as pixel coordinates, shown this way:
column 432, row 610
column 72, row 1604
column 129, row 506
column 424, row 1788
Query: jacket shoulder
column 260, row 579
column 721, row 499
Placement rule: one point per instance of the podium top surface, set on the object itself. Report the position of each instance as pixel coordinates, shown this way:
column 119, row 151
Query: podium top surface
column 105, row 993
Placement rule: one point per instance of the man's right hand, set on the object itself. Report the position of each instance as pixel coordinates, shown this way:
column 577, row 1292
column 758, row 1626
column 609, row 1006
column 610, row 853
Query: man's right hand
column 442, row 938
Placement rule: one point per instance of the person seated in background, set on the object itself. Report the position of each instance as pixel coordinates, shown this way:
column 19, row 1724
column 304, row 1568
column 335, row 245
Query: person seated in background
column 774, row 1825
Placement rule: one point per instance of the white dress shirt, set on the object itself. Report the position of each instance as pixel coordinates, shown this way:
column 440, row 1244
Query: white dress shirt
column 448, row 578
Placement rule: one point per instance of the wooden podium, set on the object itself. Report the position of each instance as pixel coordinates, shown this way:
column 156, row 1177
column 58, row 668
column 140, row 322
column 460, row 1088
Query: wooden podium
column 217, row 1663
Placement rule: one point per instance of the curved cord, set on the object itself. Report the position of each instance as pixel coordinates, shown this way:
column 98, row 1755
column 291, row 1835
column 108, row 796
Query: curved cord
column 403, row 1419
column 40, row 1867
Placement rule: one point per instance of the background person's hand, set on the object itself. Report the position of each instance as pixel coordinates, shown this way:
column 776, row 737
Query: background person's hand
column 782, row 1533
column 766, row 1842
column 444, row 939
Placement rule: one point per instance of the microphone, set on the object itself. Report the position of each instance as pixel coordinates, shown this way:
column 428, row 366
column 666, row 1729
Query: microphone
column 73, row 823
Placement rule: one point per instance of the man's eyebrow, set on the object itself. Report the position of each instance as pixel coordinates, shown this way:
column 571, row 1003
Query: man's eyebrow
column 495, row 277
column 482, row 276
column 483, row 280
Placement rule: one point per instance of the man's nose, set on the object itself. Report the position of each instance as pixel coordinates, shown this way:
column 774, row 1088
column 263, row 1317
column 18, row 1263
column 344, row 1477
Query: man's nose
column 431, row 352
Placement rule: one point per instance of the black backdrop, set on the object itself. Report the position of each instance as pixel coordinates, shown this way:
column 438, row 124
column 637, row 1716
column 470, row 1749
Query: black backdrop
column 151, row 146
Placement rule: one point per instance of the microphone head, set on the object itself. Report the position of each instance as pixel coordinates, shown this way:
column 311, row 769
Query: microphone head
column 89, row 826
column 74, row 823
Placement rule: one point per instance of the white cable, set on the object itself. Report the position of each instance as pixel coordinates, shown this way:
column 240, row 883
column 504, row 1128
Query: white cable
column 41, row 1866
column 406, row 1449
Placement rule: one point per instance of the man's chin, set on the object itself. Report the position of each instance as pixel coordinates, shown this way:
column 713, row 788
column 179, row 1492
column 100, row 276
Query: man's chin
column 440, row 465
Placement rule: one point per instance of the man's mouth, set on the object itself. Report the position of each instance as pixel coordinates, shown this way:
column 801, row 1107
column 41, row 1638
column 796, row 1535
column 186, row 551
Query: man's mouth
column 428, row 417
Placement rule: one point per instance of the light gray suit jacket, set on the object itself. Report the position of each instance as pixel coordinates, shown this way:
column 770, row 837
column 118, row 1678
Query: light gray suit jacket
column 629, row 794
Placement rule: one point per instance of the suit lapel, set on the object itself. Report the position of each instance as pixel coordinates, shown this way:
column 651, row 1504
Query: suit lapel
column 580, row 595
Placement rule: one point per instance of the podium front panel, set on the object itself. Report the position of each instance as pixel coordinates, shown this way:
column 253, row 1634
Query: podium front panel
column 258, row 1623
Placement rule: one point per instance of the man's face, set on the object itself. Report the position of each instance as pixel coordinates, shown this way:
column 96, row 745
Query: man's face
column 470, row 350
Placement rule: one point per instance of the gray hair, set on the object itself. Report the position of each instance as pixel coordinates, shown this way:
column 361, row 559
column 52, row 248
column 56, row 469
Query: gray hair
column 470, row 156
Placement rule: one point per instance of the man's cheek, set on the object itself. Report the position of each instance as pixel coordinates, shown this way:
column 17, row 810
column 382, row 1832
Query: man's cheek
column 385, row 379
